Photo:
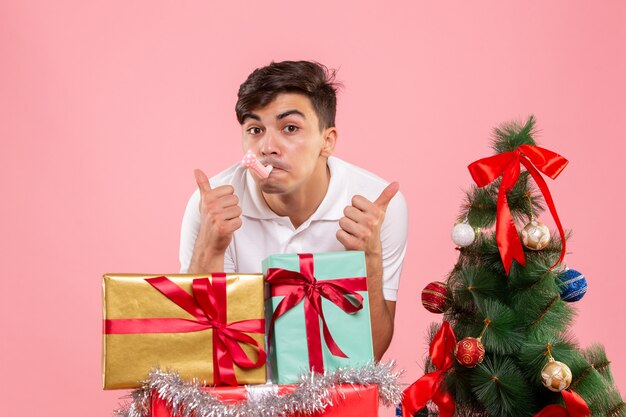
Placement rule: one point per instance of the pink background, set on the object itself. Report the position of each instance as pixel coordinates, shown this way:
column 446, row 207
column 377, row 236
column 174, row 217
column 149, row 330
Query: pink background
column 106, row 107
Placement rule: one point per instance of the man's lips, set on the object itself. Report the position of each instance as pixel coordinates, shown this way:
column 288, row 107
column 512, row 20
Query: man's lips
column 275, row 172
column 275, row 163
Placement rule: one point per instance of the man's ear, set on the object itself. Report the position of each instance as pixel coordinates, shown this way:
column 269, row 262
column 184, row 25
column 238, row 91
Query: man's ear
column 330, row 139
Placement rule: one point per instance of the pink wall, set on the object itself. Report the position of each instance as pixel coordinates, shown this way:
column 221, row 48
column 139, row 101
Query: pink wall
column 106, row 107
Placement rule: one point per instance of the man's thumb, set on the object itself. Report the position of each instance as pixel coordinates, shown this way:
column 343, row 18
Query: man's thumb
column 388, row 193
column 202, row 180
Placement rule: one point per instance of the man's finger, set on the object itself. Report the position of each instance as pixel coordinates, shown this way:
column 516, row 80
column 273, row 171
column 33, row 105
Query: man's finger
column 231, row 212
column 202, row 180
column 347, row 240
column 355, row 214
column 351, row 227
column 388, row 193
column 233, row 224
column 223, row 198
column 223, row 190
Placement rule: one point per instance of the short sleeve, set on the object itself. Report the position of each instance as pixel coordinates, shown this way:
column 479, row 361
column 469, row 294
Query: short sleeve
column 393, row 238
column 229, row 261
column 189, row 231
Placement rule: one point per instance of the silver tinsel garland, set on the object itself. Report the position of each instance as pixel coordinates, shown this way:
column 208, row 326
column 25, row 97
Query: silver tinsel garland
column 312, row 394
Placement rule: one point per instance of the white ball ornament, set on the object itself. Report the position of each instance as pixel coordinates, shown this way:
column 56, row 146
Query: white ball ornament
column 536, row 235
column 463, row 235
column 556, row 376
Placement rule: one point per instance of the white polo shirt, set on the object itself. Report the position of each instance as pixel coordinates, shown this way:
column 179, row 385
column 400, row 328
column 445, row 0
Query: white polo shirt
column 265, row 233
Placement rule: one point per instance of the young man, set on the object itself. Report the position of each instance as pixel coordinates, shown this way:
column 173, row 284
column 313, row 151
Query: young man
column 311, row 202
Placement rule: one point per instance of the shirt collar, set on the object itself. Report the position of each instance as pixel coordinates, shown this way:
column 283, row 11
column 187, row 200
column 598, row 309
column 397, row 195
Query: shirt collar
column 253, row 204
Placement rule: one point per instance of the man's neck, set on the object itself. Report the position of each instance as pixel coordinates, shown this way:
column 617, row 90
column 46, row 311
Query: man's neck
column 300, row 205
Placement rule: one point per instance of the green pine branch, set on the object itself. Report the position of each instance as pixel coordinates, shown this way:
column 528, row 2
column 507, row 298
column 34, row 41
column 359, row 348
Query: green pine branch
column 618, row 410
column 501, row 387
column 509, row 136
column 471, row 284
column 596, row 356
column 523, row 200
column 545, row 316
column 503, row 334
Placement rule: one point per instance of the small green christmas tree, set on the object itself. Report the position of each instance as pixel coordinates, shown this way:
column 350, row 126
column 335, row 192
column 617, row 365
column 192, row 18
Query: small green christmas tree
column 517, row 312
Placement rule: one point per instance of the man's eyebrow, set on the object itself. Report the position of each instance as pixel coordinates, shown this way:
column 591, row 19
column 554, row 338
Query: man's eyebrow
column 252, row 116
column 289, row 113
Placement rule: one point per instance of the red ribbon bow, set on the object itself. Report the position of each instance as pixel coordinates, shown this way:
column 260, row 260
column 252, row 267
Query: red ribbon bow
column 575, row 406
column 535, row 159
column 431, row 386
column 208, row 307
column 296, row 286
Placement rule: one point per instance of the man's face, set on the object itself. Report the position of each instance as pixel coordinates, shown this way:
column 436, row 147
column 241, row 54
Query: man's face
column 286, row 135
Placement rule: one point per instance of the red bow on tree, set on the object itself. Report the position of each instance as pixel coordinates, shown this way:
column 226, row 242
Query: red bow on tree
column 575, row 406
column 507, row 164
column 431, row 386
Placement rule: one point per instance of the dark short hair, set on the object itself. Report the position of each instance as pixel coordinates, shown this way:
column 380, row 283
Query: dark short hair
column 312, row 79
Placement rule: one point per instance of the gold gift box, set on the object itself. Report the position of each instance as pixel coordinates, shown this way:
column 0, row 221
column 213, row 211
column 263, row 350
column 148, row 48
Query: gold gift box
column 127, row 358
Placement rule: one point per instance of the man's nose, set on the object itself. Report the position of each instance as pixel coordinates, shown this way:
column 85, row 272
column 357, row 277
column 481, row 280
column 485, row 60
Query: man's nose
column 269, row 145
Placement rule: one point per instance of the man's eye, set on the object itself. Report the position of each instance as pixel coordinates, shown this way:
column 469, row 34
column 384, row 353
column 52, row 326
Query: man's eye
column 290, row 128
column 254, row 130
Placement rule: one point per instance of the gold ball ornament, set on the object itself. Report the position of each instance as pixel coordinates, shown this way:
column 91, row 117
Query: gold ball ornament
column 535, row 235
column 556, row 376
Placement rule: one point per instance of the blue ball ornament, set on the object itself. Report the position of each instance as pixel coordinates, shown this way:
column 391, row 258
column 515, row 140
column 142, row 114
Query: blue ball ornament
column 573, row 285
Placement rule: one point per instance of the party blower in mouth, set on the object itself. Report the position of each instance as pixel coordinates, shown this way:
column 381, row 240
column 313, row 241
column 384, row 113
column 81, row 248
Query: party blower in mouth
column 249, row 161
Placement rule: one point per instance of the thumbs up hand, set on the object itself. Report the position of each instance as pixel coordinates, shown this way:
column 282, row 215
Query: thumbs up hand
column 220, row 216
column 360, row 226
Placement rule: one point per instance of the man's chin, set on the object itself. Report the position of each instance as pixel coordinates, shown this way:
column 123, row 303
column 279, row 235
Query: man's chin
column 271, row 187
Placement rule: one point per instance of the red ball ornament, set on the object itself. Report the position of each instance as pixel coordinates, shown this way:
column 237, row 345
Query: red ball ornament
column 435, row 297
column 469, row 352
